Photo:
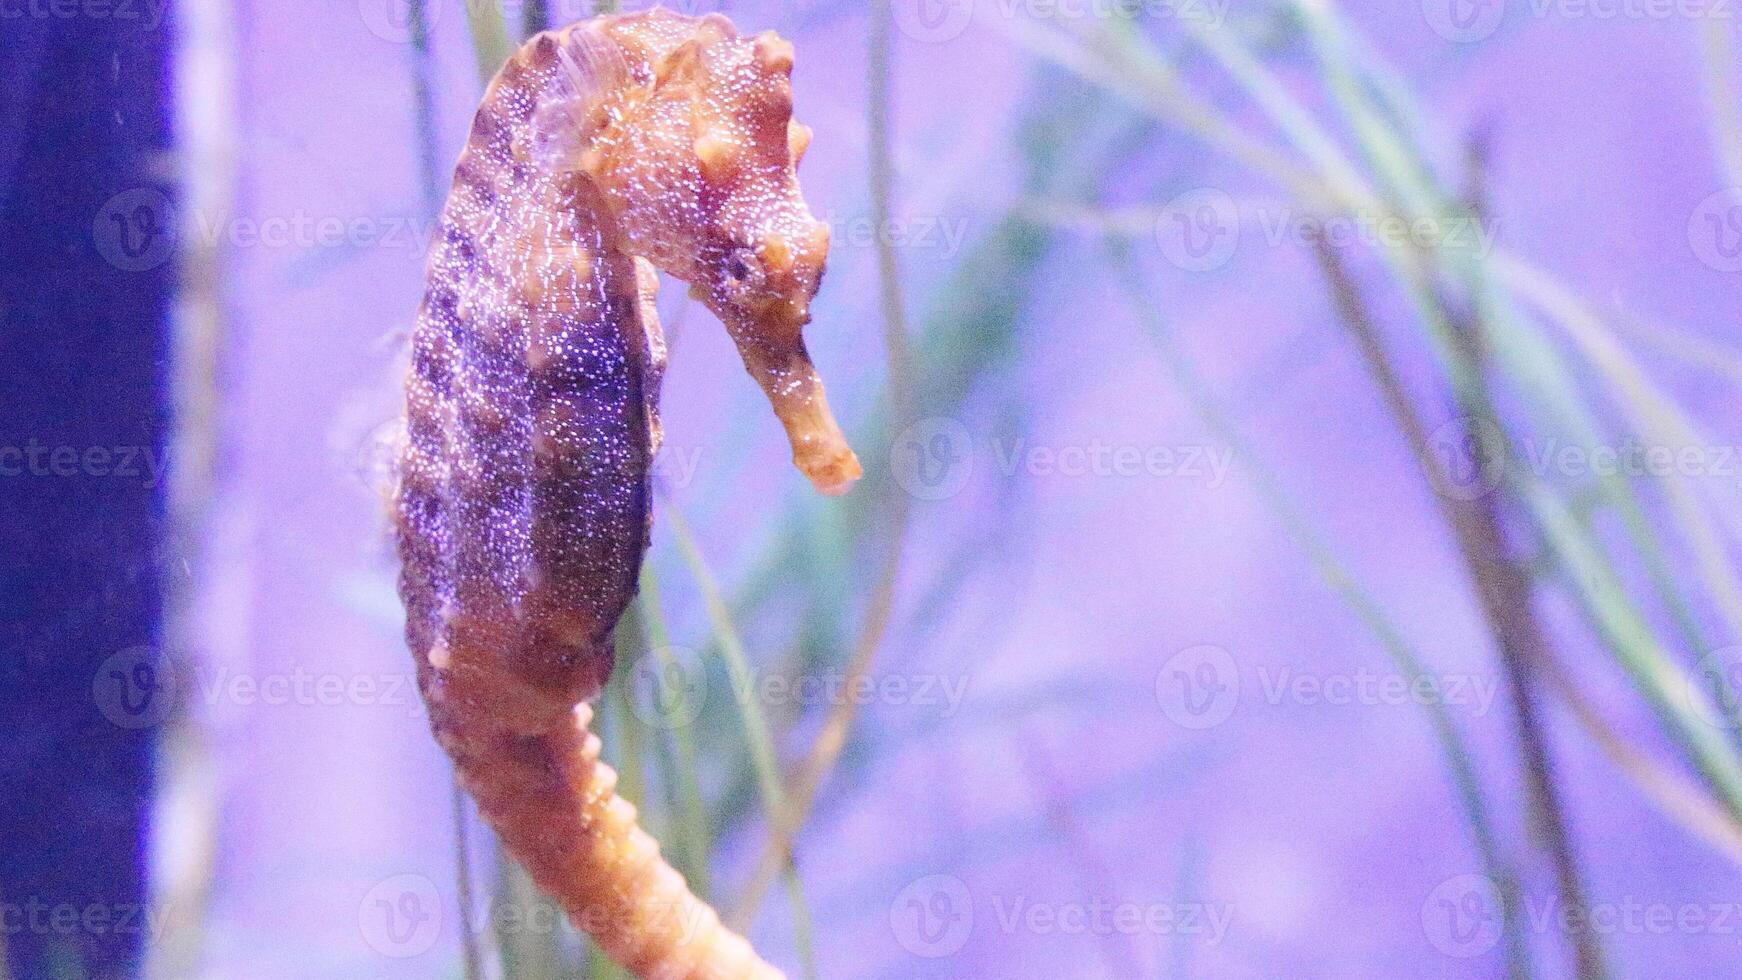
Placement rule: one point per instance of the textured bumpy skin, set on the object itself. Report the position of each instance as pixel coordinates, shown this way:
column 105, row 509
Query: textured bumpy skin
column 602, row 154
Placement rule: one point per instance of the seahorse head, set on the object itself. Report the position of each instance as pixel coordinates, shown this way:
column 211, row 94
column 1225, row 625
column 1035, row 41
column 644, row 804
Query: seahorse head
column 693, row 147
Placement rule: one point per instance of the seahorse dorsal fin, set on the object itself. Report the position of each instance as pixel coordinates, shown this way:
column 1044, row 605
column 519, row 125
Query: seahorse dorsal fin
column 593, row 65
column 590, row 68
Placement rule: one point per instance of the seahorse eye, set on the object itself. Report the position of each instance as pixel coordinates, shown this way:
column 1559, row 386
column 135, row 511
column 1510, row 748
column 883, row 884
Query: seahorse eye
column 737, row 268
column 743, row 270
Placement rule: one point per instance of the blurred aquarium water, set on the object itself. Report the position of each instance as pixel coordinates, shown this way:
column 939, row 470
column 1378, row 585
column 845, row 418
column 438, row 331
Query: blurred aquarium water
column 1301, row 533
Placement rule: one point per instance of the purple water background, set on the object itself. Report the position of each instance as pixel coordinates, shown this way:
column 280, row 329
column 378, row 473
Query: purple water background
column 1321, row 831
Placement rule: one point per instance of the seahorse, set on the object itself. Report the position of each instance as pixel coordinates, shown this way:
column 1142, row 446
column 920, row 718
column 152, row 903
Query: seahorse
column 602, row 154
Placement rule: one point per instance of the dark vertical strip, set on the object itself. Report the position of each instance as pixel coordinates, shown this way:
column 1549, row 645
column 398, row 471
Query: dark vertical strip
column 423, row 94
column 534, row 17
column 87, row 235
column 20, row 63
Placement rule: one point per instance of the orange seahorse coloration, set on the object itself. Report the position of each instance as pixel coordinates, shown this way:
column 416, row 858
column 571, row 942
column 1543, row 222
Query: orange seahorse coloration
column 602, row 152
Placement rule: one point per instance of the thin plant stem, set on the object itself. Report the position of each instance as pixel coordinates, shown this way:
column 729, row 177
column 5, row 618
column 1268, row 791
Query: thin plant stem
column 526, row 954
column 1656, row 416
column 1342, row 581
column 826, row 749
column 1675, row 796
column 534, row 17
column 489, row 31
column 1150, row 85
column 1722, row 102
column 423, row 97
column 1310, row 138
column 1701, row 353
column 692, row 813
column 757, row 736
column 1532, row 362
column 470, row 955
column 759, row 739
column 629, row 743
column 1120, row 958
column 1503, row 589
column 1666, row 686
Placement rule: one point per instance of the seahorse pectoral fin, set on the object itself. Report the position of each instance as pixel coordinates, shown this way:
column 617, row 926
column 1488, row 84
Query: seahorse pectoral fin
column 652, row 351
column 781, row 365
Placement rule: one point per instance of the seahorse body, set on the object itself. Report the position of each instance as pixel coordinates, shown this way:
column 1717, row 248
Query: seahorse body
column 600, row 152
